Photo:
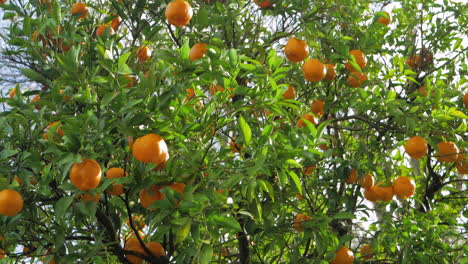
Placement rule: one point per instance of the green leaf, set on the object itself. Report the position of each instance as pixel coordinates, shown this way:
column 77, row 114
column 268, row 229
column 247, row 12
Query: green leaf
column 245, row 130
column 108, row 98
column 206, row 254
column 459, row 114
column 183, row 231
column 225, row 221
column 203, row 17
column 233, row 58
column 296, row 181
column 344, row 215
column 62, row 205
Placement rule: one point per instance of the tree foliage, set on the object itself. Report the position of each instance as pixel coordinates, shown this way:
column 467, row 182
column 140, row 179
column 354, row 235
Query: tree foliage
column 249, row 170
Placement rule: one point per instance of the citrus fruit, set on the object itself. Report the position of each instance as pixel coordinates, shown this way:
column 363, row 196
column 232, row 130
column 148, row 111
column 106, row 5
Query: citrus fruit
column 385, row 20
column 465, row 100
column 356, row 79
column 117, row 189
column 11, row 202
column 309, row 170
column 416, row 147
column 85, row 175
column 150, row 148
column 144, row 53
column 296, row 50
column 290, row 93
column 179, row 13
column 414, row 62
column 331, row 72
column 151, row 195
column 343, row 256
column 132, row 244
column 115, row 24
column 56, row 128
column 360, row 59
column 404, row 187
column 366, row 252
column 264, row 3
column 352, row 176
column 307, row 117
column 367, row 181
column 79, row 9
column 197, row 51
column 318, row 107
column 314, row 70
column 384, row 194
column 86, row 198
column 102, row 29
column 178, row 187
column 370, row 194
column 12, row 92
column 156, row 249
column 448, row 151
column 298, row 220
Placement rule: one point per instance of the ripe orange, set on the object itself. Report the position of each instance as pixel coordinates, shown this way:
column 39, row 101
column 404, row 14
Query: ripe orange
column 416, row 147
column 465, row 100
column 360, row 59
column 296, row 50
column 130, row 80
column 309, row 170
column 414, row 62
column 314, row 70
column 132, row 244
column 264, row 3
column 85, row 175
column 2, row 252
column 366, row 252
column 298, row 220
column 318, row 107
column 148, row 197
column 448, row 151
column 190, row 94
column 138, row 222
column 12, row 92
column 462, row 167
column 56, row 128
column 2, row 2
column 370, row 194
column 115, row 24
column 36, row 98
column 290, row 93
column 178, row 187
column 331, row 72
column 235, row 147
column 117, row 189
column 144, row 53
column 102, row 28
column 352, row 176
column 367, row 181
column 307, row 117
column 384, row 20
column 80, row 9
column 404, row 187
column 11, row 202
column 197, row 51
column 179, row 13
column 383, row 193
column 356, row 79
column 86, row 198
column 151, row 148
column 343, row 256
column 156, row 249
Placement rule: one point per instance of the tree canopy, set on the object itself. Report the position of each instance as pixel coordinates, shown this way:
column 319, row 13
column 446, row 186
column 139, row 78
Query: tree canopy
column 235, row 131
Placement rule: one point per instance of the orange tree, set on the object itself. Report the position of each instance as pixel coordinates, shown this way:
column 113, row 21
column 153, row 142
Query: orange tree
column 234, row 132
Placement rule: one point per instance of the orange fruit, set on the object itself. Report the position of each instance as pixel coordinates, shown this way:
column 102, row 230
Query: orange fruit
column 290, row 93
column 414, row 62
column 85, row 175
column 190, row 94
column 343, row 256
column 352, row 176
column 36, row 98
column 370, row 194
column 318, row 107
column 144, row 53
column 12, row 92
column 360, row 59
column 307, row 117
column 80, row 9
column 11, row 202
column 296, row 50
column 132, row 244
column 422, row 90
column 148, row 197
column 18, row 180
column 115, row 24
column 367, row 181
column 385, row 20
column 448, row 151
column 56, row 128
column 178, row 187
column 314, row 70
column 138, row 222
column 309, row 170
column 117, row 189
column 465, row 100
column 179, row 13
column 197, row 51
column 384, row 193
column 298, row 220
column 235, row 147
column 86, row 198
column 366, row 252
column 102, row 29
column 264, row 3
column 331, row 72
column 416, row 147
column 462, row 164
column 404, row 187
column 2, row 2
column 356, row 79
column 131, row 80
column 151, row 148
column 2, row 252
column 156, row 249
